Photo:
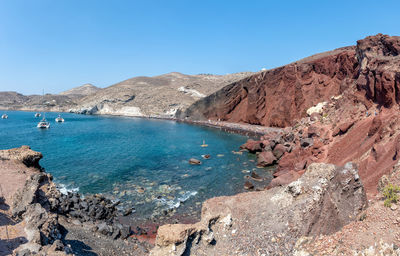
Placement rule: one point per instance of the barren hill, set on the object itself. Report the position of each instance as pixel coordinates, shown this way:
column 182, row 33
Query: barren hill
column 154, row 96
column 158, row 96
column 81, row 91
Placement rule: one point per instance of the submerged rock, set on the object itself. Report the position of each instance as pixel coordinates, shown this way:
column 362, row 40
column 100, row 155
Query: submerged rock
column 194, row 161
column 248, row 185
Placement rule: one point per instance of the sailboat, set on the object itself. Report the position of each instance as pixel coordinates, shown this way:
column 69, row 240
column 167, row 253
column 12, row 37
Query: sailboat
column 59, row 119
column 43, row 124
column 204, row 144
column 4, row 116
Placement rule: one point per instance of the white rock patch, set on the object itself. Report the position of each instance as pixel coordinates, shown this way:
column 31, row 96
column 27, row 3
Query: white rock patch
column 317, row 108
column 191, row 92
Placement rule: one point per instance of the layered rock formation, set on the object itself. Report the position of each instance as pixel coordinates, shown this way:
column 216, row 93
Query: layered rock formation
column 269, row 222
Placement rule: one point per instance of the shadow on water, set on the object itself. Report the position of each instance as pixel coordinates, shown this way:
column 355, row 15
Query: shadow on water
column 78, row 247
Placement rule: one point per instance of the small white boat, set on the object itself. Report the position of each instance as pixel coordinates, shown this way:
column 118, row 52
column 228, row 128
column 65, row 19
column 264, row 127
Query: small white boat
column 4, row 116
column 59, row 119
column 204, row 144
column 43, row 124
column 37, row 115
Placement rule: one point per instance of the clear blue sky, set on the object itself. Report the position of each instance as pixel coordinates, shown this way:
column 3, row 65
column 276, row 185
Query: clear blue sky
column 59, row 44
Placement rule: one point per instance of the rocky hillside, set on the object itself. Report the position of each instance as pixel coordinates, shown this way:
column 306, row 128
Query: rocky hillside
column 158, row 96
column 153, row 96
column 48, row 102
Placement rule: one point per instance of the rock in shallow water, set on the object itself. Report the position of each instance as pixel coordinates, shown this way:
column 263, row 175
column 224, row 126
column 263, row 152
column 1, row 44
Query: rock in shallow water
column 248, row 185
column 194, row 161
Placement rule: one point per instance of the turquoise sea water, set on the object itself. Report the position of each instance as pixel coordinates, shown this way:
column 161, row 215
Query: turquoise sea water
column 142, row 162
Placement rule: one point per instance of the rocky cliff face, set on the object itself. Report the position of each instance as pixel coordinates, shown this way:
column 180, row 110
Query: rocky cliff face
column 278, row 97
column 379, row 75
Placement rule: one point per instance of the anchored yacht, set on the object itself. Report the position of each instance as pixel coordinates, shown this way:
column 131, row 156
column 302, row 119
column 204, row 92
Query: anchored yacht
column 59, row 119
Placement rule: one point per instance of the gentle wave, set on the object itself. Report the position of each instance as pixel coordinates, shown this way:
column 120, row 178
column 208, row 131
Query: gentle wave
column 64, row 189
column 175, row 203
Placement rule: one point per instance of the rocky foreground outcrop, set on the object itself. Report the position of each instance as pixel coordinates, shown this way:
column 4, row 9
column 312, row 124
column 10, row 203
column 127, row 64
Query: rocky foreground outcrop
column 269, row 222
column 39, row 218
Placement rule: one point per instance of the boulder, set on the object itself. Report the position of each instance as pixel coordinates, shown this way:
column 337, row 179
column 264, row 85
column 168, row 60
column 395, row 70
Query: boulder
column 284, row 179
column 306, row 142
column 342, row 128
column 27, row 195
column 279, row 150
column 266, row 158
column 43, row 233
column 252, row 146
column 255, row 176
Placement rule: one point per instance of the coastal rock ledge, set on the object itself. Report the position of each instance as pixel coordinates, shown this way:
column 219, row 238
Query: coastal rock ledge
column 270, row 222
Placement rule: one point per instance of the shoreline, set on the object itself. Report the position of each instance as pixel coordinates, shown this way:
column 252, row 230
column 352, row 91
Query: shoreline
column 248, row 130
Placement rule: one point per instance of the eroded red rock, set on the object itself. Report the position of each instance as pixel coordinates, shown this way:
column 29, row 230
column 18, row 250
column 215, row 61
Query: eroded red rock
column 252, row 146
column 266, row 158
column 284, row 179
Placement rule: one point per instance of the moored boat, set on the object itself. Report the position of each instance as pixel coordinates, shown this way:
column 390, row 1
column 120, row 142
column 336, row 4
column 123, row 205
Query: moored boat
column 59, row 119
column 43, row 124
column 37, row 115
column 4, row 116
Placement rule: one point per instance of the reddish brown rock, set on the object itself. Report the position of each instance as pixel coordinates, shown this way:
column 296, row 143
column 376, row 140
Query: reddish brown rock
column 266, row 158
column 376, row 125
column 380, row 69
column 284, row 179
column 252, row 146
column 342, row 128
column 279, row 150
